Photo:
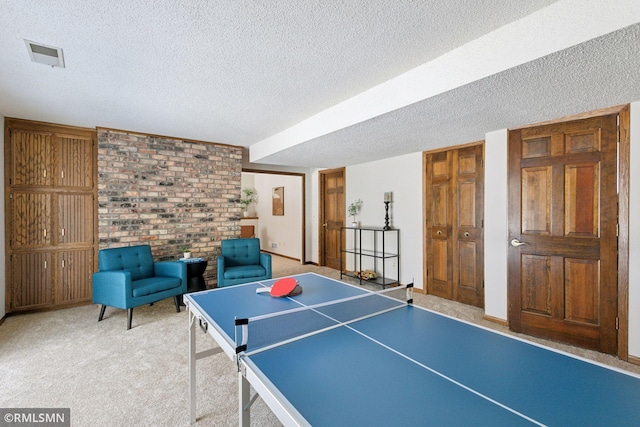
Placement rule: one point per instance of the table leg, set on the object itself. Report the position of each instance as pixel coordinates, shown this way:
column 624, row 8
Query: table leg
column 244, row 408
column 192, row 366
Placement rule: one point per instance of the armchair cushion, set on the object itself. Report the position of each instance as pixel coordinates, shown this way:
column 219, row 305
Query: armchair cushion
column 241, row 261
column 153, row 285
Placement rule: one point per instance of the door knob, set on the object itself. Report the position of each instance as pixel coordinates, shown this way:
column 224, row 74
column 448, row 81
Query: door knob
column 466, row 234
column 516, row 243
column 324, row 225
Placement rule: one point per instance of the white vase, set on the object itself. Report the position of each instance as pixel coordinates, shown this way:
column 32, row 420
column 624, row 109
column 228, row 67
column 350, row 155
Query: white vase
column 245, row 214
column 187, row 255
column 354, row 224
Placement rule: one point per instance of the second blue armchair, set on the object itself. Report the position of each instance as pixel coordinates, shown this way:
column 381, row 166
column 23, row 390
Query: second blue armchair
column 241, row 262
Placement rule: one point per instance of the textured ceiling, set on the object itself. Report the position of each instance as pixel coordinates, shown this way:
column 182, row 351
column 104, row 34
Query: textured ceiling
column 239, row 72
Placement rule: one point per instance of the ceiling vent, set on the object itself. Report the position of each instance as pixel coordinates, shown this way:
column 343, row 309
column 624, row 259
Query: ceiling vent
column 43, row 54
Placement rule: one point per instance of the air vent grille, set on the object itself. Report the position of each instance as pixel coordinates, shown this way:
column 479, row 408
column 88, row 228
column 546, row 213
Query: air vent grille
column 44, row 54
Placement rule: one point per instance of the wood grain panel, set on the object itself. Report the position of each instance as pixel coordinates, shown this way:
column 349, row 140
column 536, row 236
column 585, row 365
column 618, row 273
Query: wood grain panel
column 536, row 284
column 582, row 288
column 467, row 162
column 581, row 200
column 74, row 268
column 582, row 142
column 536, row 147
column 75, row 218
column 440, row 204
column 467, row 272
column 536, row 200
column 440, row 166
column 76, row 156
column 466, row 204
column 30, row 219
column 31, row 280
column 31, row 158
column 440, row 257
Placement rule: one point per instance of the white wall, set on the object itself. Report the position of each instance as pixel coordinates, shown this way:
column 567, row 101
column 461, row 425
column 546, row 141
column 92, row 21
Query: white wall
column 495, row 224
column 2, row 227
column 403, row 177
column 634, row 234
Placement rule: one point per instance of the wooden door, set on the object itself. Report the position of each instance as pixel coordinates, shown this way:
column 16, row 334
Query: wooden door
column 73, row 269
column 31, row 161
column 74, row 161
column 29, row 285
column 333, row 213
column 454, row 221
column 75, row 219
column 562, row 229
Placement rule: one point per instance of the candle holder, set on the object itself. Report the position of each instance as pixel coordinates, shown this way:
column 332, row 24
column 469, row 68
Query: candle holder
column 386, row 216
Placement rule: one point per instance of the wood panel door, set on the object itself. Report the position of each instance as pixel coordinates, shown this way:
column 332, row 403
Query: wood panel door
column 454, row 222
column 562, row 229
column 332, row 216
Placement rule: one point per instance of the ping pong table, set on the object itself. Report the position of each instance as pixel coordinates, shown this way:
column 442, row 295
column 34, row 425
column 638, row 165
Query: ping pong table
column 405, row 365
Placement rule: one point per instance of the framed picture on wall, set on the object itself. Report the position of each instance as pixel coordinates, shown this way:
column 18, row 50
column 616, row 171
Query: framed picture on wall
column 277, row 201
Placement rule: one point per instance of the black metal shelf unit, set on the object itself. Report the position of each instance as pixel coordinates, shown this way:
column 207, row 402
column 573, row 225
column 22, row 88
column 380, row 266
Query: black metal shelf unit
column 373, row 249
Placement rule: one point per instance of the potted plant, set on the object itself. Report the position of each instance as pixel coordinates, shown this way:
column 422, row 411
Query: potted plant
column 248, row 196
column 186, row 252
column 353, row 210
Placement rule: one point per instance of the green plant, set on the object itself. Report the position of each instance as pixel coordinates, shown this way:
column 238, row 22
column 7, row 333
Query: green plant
column 354, row 208
column 186, row 249
column 249, row 196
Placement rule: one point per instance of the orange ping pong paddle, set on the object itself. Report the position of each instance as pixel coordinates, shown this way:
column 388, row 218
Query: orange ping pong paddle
column 282, row 288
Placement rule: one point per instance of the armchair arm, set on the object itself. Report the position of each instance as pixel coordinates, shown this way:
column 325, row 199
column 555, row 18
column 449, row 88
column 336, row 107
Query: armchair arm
column 112, row 288
column 265, row 261
column 172, row 269
column 220, row 270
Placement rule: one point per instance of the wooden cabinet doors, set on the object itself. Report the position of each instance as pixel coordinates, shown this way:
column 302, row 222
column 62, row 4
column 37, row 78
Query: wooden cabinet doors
column 50, row 203
column 562, row 225
column 454, row 185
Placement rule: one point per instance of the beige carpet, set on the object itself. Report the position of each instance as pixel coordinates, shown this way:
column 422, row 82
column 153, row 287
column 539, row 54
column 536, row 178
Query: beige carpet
column 109, row 376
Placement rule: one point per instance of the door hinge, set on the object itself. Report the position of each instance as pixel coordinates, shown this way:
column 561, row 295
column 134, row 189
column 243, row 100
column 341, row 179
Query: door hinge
column 617, row 230
column 617, row 323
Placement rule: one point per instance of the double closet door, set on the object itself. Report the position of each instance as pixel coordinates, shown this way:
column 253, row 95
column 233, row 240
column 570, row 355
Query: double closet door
column 50, row 199
column 454, row 204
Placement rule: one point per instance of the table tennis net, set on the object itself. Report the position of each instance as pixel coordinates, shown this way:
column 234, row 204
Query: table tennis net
column 263, row 332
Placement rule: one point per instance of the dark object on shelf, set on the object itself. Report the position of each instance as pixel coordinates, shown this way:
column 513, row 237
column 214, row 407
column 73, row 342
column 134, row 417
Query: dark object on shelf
column 386, row 216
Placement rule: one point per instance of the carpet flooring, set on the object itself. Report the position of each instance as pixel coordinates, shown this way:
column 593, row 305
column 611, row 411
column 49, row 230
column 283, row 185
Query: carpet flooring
column 109, row 376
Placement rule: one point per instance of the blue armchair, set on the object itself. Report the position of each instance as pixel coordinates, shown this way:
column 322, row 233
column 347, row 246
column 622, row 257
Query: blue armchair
column 241, row 261
column 129, row 278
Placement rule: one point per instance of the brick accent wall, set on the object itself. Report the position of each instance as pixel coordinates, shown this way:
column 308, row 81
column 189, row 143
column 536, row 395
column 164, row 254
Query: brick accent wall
column 169, row 193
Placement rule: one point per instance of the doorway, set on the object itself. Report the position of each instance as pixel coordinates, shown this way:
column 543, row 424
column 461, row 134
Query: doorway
column 282, row 231
column 332, row 216
column 454, row 209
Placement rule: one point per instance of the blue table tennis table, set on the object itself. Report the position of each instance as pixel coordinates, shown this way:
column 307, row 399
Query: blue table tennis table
column 405, row 365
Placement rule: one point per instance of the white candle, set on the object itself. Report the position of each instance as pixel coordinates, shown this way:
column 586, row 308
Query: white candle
column 387, row 197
